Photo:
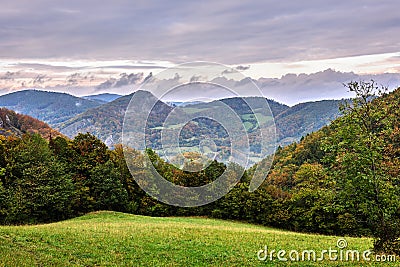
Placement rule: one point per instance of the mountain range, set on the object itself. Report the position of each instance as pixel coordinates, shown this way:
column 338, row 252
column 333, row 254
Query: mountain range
column 106, row 97
column 103, row 114
column 50, row 107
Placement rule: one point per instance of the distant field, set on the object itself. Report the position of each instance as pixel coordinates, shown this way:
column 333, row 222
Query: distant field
column 118, row 239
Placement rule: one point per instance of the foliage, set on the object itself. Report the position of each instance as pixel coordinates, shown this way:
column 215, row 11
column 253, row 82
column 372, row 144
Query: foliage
column 36, row 187
column 12, row 123
column 356, row 150
column 106, row 121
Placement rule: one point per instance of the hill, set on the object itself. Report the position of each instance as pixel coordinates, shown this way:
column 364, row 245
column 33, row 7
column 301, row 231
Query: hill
column 12, row 123
column 292, row 122
column 106, row 120
column 304, row 118
column 50, row 107
column 105, row 98
column 103, row 114
column 118, row 239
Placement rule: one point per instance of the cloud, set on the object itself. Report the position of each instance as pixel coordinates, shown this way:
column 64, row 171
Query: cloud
column 290, row 89
column 148, row 77
column 10, row 76
column 230, row 32
column 242, row 68
column 78, row 78
column 328, row 84
column 127, row 67
column 195, row 78
column 40, row 79
column 44, row 67
column 123, row 80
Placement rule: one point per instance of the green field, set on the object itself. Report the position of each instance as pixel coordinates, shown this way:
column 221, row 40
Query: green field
column 118, row 239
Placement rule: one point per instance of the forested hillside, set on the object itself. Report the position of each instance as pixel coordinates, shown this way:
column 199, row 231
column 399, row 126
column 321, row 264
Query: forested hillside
column 305, row 118
column 102, row 115
column 106, row 121
column 292, row 123
column 14, row 124
column 344, row 178
column 50, row 107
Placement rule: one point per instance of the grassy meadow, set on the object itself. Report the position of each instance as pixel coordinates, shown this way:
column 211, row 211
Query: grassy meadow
column 118, row 239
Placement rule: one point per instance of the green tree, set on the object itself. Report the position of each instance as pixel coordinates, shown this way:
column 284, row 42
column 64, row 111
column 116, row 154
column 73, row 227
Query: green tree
column 135, row 157
column 85, row 152
column 38, row 188
column 106, row 188
column 356, row 151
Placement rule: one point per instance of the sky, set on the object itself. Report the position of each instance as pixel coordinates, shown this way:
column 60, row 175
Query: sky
column 85, row 47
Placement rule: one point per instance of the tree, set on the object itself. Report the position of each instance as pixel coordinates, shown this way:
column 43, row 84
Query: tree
column 106, row 188
column 135, row 157
column 36, row 186
column 356, row 149
column 84, row 153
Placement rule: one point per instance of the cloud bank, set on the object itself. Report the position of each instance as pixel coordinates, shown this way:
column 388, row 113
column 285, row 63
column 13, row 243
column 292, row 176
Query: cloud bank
column 229, row 32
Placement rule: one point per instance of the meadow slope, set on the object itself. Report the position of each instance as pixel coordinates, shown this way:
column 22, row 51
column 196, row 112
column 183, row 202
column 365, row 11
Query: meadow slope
column 118, row 239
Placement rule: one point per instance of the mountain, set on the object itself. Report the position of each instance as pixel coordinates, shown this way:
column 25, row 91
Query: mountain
column 304, row 118
column 102, row 98
column 50, row 107
column 12, row 123
column 106, row 120
column 292, row 123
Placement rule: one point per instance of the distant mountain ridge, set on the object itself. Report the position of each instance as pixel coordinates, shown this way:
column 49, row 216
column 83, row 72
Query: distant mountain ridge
column 106, row 97
column 50, row 107
column 292, row 123
column 71, row 115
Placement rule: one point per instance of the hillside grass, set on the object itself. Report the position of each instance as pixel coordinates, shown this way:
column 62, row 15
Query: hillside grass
column 118, row 239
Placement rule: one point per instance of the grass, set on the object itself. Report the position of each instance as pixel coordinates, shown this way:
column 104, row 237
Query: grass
column 118, row 239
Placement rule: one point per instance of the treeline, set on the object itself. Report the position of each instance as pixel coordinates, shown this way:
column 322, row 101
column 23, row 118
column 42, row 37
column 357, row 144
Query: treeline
column 45, row 181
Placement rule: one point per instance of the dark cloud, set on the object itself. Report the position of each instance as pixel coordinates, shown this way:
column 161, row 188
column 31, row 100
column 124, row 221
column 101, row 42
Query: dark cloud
column 231, row 32
column 40, row 79
column 228, row 71
column 74, row 78
column 77, row 78
column 242, row 68
column 148, row 77
column 10, row 76
column 195, row 78
column 123, row 80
